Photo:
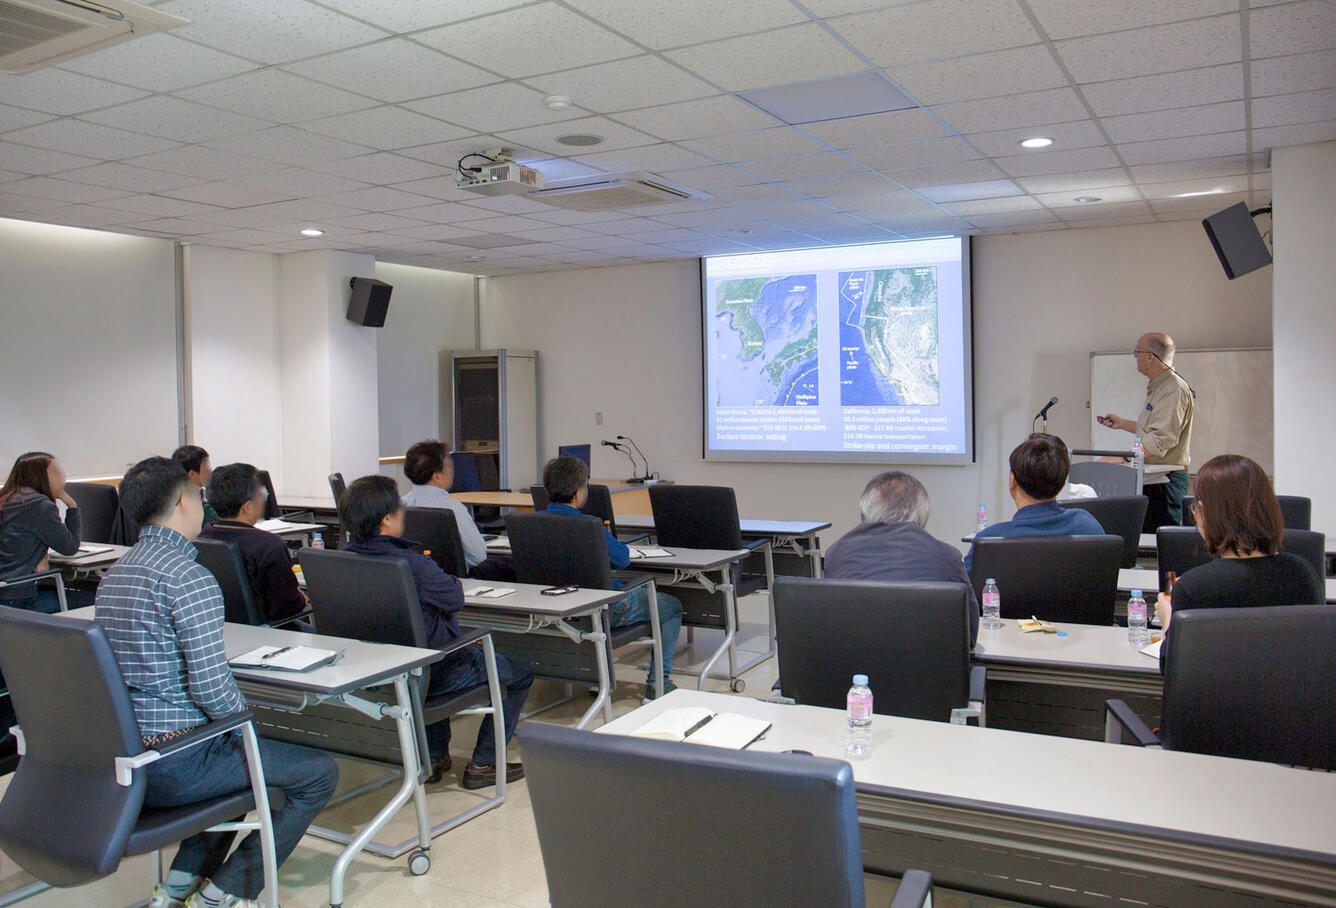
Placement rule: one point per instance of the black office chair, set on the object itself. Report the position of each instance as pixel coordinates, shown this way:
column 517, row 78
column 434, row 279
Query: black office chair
column 337, row 487
column 1113, row 480
column 124, row 530
column 437, row 531
column 581, row 784
column 271, row 509
column 1308, row 545
column 912, row 640
column 98, row 504
column 1070, row 579
column 74, row 808
column 541, row 499
column 241, row 603
column 1295, row 510
column 1179, row 549
column 706, row 517
column 371, row 598
column 562, row 549
column 489, row 472
column 1250, row 683
column 466, row 472
column 32, row 581
column 1121, row 515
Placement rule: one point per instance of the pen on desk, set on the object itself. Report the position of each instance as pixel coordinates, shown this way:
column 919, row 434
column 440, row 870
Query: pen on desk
column 698, row 726
column 277, row 652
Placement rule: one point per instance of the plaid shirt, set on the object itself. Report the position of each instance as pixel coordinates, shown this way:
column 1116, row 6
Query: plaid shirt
column 163, row 613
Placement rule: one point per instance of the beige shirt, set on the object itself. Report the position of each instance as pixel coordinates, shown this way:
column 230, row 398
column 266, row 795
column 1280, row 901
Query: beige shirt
column 1165, row 425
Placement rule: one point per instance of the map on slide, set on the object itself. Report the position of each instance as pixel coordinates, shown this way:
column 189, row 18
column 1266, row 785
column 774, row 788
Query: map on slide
column 766, row 331
column 888, row 337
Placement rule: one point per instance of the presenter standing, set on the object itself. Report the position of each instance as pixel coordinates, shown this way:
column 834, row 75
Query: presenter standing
column 1165, row 428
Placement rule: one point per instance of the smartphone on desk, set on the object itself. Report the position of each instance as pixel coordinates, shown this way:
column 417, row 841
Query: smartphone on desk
column 558, row 590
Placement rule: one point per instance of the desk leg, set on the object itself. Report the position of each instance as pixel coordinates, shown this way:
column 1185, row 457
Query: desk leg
column 728, row 644
column 656, row 638
column 814, row 553
column 604, row 699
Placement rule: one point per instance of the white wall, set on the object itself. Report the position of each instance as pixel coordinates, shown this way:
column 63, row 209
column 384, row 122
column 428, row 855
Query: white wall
column 1304, row 318
column 430, row 311
column 626, row 341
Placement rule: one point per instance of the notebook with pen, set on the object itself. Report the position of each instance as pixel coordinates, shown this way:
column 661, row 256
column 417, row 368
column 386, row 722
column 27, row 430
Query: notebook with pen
column 643, row 552
column 286, row 658
column 698, row 725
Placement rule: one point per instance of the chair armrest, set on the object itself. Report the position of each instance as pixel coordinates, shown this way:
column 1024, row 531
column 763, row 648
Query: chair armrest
column 914, row 891
column 54, row 574
column 1119, row 719
column 978, row 680
column 126, row 766
column 643, row 537
column 279, row 622
column 468, row 638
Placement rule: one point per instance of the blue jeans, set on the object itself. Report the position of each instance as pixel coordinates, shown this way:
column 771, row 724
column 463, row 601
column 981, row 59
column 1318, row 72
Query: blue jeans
column 47, row 602
column 468, row 668
column 308, row 779
column 635, row 608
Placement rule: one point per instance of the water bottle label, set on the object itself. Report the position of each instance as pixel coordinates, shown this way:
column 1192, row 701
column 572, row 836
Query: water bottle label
column 860, row 712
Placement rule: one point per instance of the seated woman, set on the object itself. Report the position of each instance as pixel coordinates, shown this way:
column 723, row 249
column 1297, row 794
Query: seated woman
column 1238, row 516
column 30, row 525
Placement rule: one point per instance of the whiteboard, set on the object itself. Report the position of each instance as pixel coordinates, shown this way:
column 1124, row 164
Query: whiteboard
column 1235, row 409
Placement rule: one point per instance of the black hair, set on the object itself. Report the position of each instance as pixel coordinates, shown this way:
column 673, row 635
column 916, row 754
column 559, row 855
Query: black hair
column 563, row 478
column 366, row 503
column 190, row 457
column 1040, row 465
column 231, row 486
column 151, row 489
column 424, row 460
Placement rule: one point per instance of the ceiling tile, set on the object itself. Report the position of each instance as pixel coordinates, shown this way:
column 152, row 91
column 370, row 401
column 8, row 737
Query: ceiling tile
column 1106, row 195
column 307, row 209
column 158, row 62
column 827, row 187
column 1190, row 170
column 920, row 32
column 272, row 94
column 115, row 175
column 1099, row 210
column 1189, row 88
column 61, row 190
column 377, row 222
column 1203, row 203
column 876, row 129
column 444, row 213
column 142, row 207
column 55, row 91
column 1212, row 146
column 433, row 232
column 378, row 198
column 1183, row 121
column 525, row 42
column 976, row 207
column 1282, row 75
column 244, row 237
column 1075, row 182
column 968, row 171
column 91, row 216
column 712, row 179
column 289, row 145
column 697, row 119
column 1279, row 110
column 491, row 108
column 1079, row 134
column 297, row 181
column 803, row 167
column 442, row 188
column 1163, row 48
column 227, row 195
column 15, row 205
column 17, row 117
column 110, row 144
column 1006, row 72
column 392, row 70
column 176, row 227
column 386, row 128
column 269, row 32
column 1277, row 136
column 624, row 85
column 380, row 168
column 1213, row 186
column 1058, row 105
column 658, row 158
column 749, row 146
column 1013, row 219
column 172, row 118
column 544, row 138
column 399, row 16
column 1292, row 28
column 1065, row 19
column 203, row 162
column 659, row 25
column 796, row 54
column 877, row 204
column 914, row 154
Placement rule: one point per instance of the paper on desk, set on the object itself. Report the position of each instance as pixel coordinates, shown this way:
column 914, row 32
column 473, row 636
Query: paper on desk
column 500, row 542
column 274, row 526
column 288, row 659
column 642, row 552
column 489, row 592
column 673, row 724
column 1153, row 649
column 698, row 725
column 84, row 550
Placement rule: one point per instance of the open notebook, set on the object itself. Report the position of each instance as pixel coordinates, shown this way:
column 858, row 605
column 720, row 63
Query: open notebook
column 286, row 658
column 698, row 725
column 644, row 552
column 84, row 550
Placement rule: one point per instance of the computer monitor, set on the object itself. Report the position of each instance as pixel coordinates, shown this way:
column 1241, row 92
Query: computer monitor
column 579, row 452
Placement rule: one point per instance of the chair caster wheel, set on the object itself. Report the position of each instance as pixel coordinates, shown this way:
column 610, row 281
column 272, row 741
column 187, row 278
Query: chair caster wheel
column 419, row 862
column 737, row 685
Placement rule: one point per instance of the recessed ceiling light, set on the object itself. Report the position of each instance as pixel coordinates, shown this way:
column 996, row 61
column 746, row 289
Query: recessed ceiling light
column 1086, row 199
column 1188, row 195
column 741, row 231
column 1036, row 142
column 312, row 231
column 476, row 258
column 557, row 102
column 580, row 139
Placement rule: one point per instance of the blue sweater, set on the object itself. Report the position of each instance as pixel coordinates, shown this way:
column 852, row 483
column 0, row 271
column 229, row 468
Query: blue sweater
column 1048, row 518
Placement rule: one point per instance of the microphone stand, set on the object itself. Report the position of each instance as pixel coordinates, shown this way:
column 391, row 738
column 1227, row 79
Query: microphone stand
column 627, row 451
column 638, row 479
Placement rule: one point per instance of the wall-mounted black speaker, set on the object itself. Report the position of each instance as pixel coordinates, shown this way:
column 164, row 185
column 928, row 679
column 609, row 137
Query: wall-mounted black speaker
column 1237, row 240
column 369, row 302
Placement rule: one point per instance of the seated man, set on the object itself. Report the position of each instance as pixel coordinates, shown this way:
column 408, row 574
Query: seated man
column 891, row 543
column 195, row 461
column 374, row 516
column 431, row 471
column 566, row 480
column 163, row 613
column 239, row 496
column 1039, row 467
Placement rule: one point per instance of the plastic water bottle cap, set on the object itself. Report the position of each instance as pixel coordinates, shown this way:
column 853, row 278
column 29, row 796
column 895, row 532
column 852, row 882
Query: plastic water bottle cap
column 860, row 680
column 989, row 580
column 1136, row 594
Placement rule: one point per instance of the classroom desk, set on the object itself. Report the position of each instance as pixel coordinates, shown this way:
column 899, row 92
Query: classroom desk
column 795, row 544
column 627, row 497
column 1047, row 684
column 76, row 566
column 363, row 665
column 1148, row 581
column 1057, row 821
column 294, row 530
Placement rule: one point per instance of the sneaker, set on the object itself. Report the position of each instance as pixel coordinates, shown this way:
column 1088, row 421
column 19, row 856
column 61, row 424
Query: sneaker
column 485, row 776
column 162, row 899
column 440, row 768
column 668, row 688
column 229, row 901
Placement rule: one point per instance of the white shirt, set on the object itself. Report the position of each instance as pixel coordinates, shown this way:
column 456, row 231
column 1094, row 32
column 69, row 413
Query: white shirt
column 475, row 549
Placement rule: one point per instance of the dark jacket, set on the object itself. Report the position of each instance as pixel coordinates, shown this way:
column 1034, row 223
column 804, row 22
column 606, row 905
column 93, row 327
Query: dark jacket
column 29, row 526
column 440, row 595
column 902, row 552
column 268, row 567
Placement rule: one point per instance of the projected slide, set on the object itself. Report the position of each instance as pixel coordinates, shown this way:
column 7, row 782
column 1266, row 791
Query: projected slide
column 857, row 352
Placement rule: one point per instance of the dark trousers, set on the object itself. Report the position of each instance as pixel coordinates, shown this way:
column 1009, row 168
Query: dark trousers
column 308, row 779
column 468, row 668
column 45, row 600
column 1166, row 502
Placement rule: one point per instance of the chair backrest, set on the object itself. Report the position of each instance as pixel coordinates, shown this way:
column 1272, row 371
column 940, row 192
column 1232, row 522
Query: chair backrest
column 1253, row 683
column 1179, row 549
column 97, row 509
column 224, row 560
column 337, row 487
column 489, row 474
column 581, row 784
column 1308, row 545
column 363, row 597
column 559, row 549
column 696, row 517
column 1296, row 511
column 124, row 531
column 64, row 819
column 437, row 531
column 271, row 509
column 599, row 504
column 1107, row 479
column 912, row 640
column 540, row 497
column 1057, row 578
column 466, row 472
column 1119, row 515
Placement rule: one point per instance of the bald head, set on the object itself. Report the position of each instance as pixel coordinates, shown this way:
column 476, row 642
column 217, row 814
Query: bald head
column 1155, row 353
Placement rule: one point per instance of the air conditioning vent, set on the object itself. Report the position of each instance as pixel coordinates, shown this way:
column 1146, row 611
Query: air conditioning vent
column 625, row 190
column 37, row 33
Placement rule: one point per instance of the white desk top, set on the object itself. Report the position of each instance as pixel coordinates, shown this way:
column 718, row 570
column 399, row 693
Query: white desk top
column 749, row 527
column 115, row 554
column 528, row 600
column 299, row 502
column 1086, row 646
column 294, row 529
column 1148, row 581
column 686, row 559
column 1262, row 803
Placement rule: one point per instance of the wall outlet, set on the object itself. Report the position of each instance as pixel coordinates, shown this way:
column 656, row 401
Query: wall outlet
column 598, row 417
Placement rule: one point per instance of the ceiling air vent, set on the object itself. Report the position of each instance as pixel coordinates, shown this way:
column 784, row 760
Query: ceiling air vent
column 624, row 190
column 37, row 33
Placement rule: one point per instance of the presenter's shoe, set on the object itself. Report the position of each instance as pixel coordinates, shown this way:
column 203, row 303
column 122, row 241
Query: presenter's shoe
column 229, row 901
column 668, row 688
column 440, row 768
column 161, row 898
column 476, row 777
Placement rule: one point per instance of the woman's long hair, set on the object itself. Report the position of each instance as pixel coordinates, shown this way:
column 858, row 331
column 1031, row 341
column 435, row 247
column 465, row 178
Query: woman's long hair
column 29, row 472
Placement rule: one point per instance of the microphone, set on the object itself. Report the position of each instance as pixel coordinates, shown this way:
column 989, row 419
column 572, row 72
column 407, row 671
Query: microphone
column 638, row 451
column 1043, row 414
column 627, row 451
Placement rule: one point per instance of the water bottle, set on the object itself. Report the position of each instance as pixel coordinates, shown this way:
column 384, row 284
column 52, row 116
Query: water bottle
column 1137, row 635
column 317, row 541
column 858, row 741
column 981, row 518
column 1138, row 453
column 992, row 606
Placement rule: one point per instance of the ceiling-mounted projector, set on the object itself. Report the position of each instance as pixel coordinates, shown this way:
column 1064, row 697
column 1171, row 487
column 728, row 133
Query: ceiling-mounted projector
column 499, row 176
